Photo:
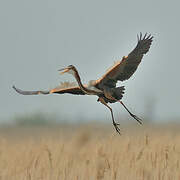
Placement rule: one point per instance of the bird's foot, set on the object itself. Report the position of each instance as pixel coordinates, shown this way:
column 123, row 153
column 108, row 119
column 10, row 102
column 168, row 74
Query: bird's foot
column 116, row 125
column 136, row 118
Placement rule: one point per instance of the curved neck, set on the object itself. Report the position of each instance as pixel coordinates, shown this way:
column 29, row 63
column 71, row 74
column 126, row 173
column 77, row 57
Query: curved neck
column 78, row 79
column 82, row 87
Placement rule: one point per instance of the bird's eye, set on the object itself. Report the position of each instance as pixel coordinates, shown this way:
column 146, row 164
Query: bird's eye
column 70, row 66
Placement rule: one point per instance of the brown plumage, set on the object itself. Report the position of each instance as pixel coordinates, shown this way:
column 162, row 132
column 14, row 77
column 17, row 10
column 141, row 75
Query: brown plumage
column 64, row 87
column 105, row 87
column 125, row 68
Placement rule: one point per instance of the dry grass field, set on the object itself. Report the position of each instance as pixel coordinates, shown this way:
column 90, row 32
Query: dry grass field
column 90, row 152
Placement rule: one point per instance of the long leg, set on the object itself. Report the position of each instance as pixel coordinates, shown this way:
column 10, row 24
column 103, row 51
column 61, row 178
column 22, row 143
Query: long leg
column 116, row 125
column 134, row 116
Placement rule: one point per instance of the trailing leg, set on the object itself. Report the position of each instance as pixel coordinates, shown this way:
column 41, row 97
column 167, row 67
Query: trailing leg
column 116, row 125
column 133, row 115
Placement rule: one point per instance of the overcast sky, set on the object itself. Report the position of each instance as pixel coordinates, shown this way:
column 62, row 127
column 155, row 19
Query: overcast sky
column 37, row 37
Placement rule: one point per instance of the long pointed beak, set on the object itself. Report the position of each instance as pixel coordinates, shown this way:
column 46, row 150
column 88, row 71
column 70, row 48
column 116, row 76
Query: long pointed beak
column 64, row 70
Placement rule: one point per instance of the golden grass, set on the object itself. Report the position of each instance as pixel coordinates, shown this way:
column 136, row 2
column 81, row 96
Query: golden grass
column 89, row 153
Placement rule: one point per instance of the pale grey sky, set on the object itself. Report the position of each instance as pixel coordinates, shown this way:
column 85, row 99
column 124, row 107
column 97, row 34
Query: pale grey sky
column 38, row 37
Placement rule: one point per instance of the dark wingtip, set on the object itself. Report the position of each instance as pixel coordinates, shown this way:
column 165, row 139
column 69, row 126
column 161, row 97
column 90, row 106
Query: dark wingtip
column 14, row 88
column 145, row 37
column 17, row 90
column 140, row 35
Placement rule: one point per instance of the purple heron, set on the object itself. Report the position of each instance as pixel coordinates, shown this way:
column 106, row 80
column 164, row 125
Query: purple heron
column 105, row 87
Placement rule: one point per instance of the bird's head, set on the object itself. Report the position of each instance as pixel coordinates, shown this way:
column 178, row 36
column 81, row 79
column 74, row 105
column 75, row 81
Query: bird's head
column 70, row 69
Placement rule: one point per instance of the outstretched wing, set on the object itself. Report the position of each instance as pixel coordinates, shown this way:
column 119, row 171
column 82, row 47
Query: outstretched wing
column 62, row 89
column 125, row 68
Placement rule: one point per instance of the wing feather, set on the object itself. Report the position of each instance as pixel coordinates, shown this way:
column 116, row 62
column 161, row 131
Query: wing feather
column 64, row 87
column 125, row 68
column 29, row 92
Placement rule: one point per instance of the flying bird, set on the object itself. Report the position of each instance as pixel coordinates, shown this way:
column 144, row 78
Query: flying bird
column 105, row 87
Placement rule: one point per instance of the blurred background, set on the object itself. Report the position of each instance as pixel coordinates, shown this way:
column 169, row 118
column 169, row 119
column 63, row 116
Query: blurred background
column 39, row 37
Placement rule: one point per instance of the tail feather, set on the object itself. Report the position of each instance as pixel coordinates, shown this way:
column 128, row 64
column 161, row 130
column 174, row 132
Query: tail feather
column 118, row 92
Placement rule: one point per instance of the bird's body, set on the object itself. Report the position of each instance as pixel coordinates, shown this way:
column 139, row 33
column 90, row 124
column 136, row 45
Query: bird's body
column 105, row 87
